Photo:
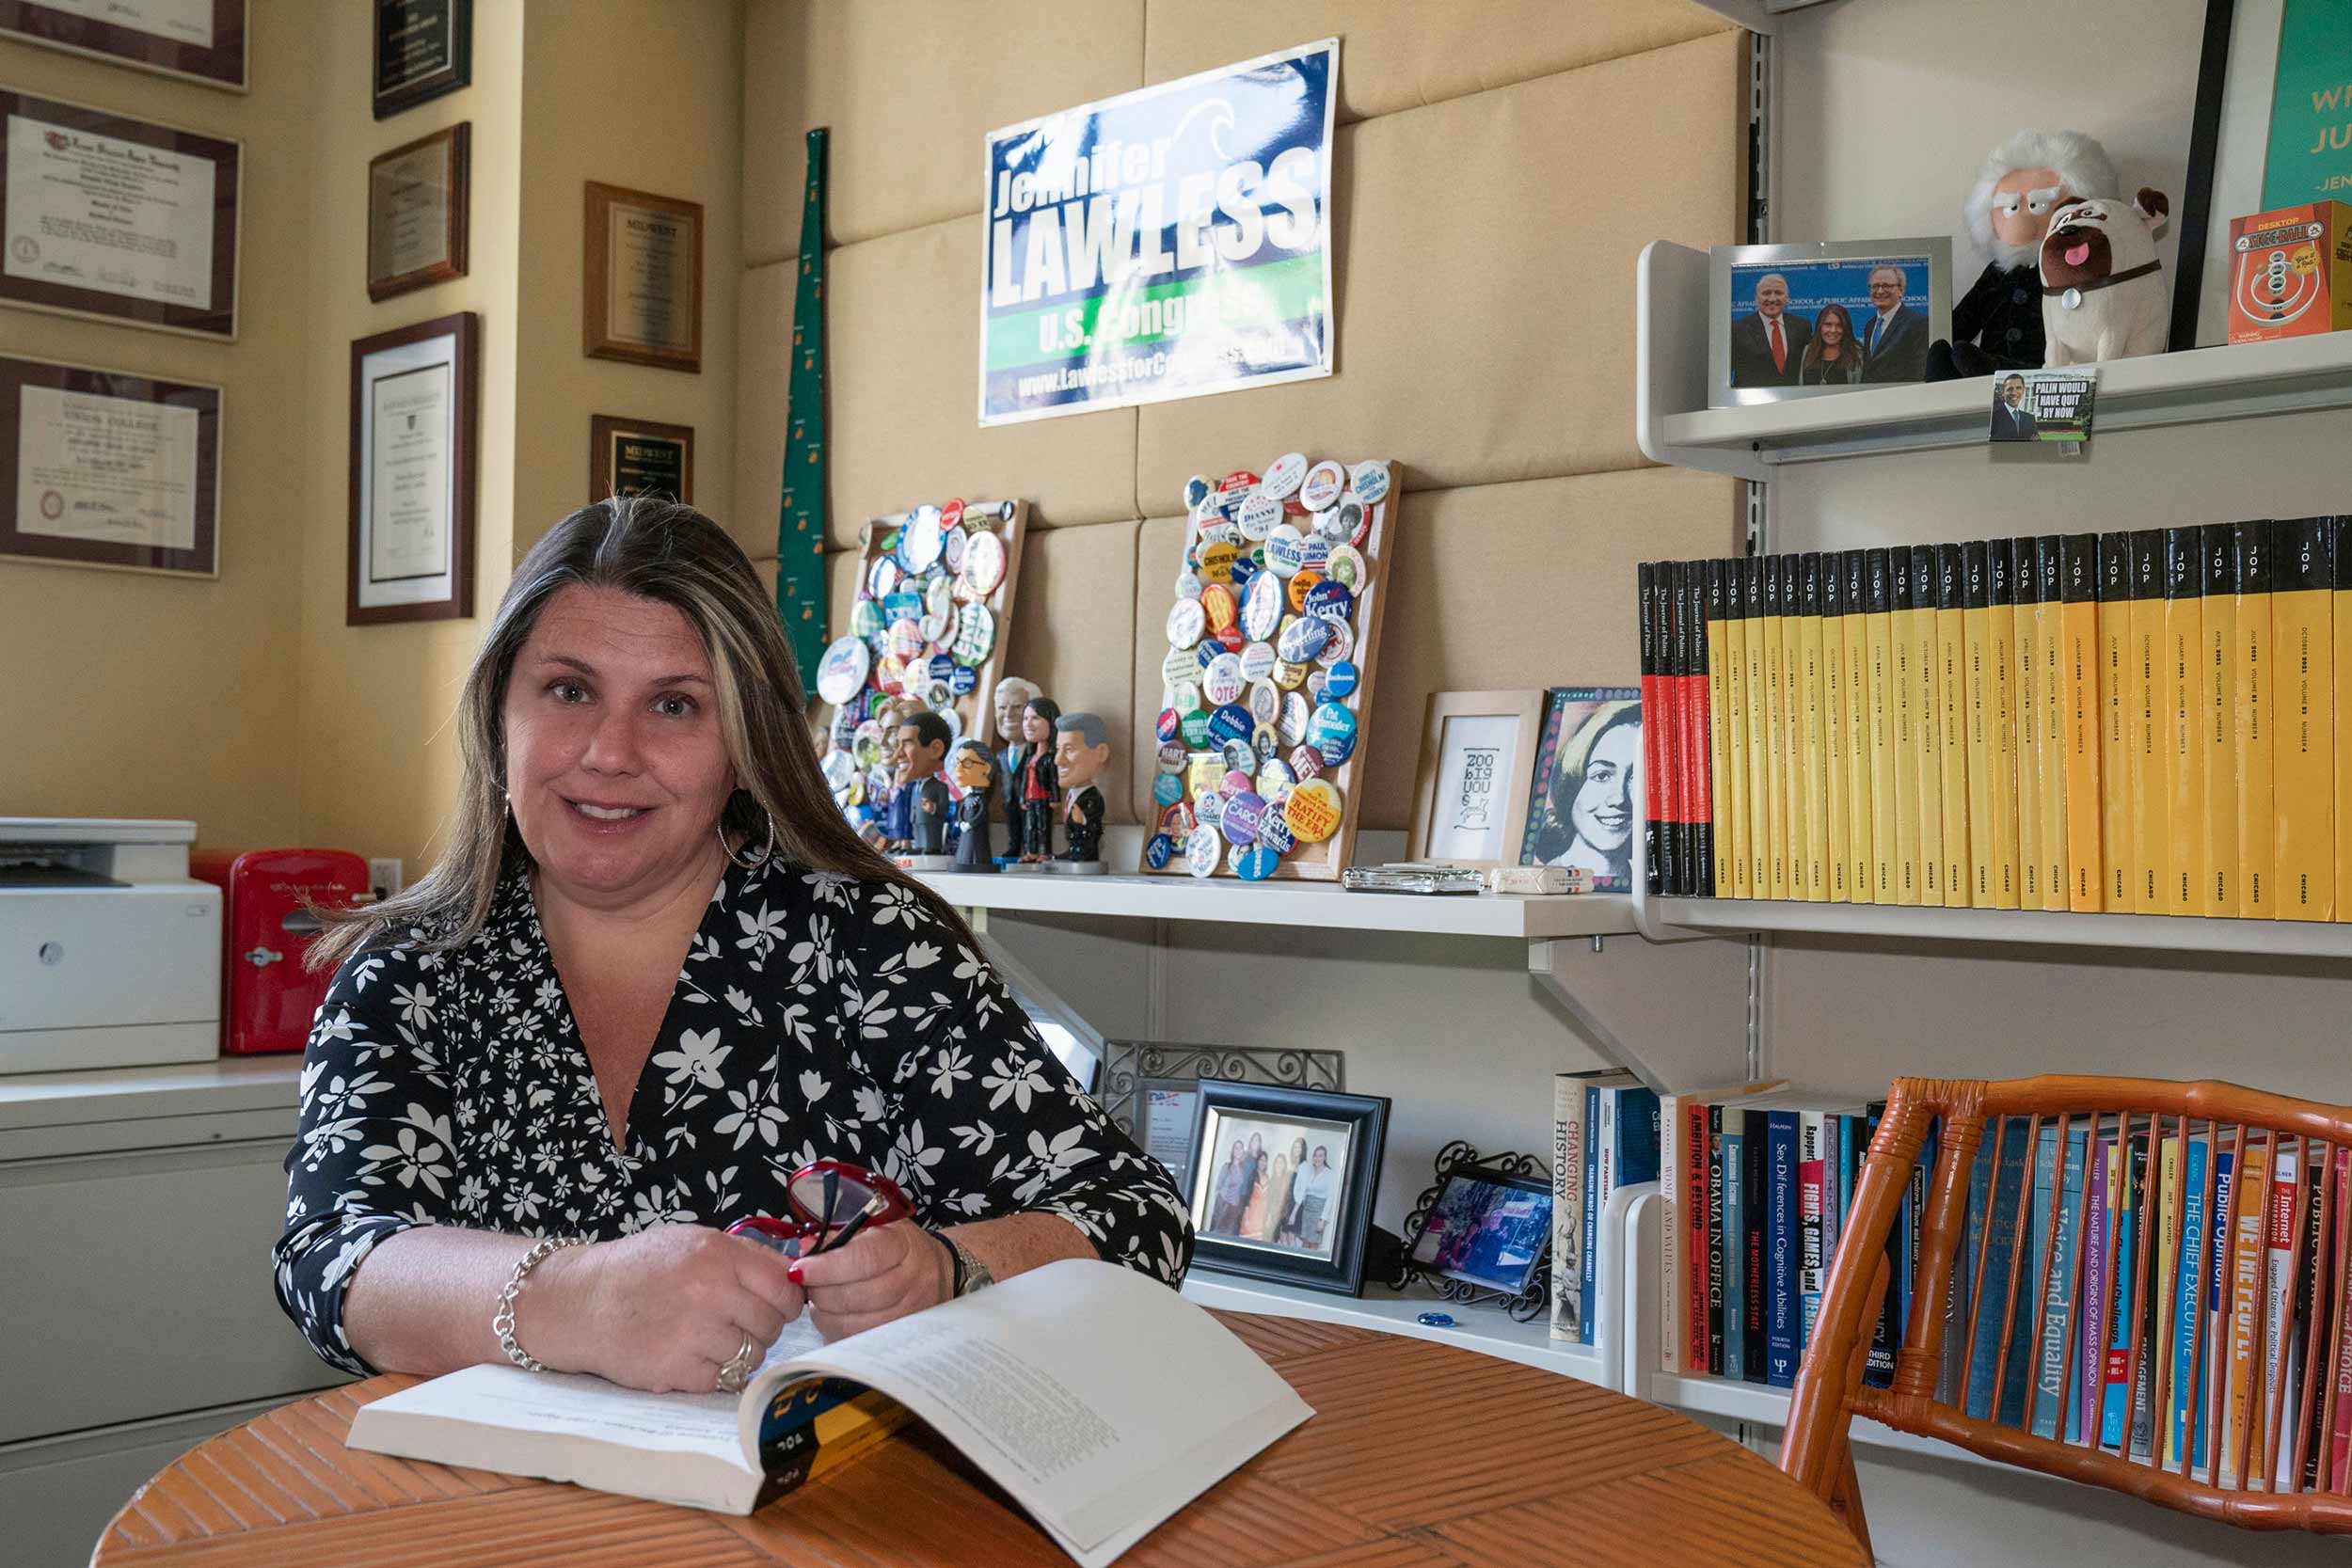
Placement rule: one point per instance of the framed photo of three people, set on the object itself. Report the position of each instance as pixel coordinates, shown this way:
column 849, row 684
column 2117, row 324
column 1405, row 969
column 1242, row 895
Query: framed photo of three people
column 1796, row 320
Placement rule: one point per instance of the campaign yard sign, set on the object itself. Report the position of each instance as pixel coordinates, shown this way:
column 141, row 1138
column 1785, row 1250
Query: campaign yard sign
column 1169, row 243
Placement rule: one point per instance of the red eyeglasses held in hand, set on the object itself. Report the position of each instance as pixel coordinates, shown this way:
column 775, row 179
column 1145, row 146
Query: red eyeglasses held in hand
column 829, row 1202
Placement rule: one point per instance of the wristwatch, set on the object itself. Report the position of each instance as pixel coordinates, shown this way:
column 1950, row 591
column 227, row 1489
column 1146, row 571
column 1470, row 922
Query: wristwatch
column 971, row 1274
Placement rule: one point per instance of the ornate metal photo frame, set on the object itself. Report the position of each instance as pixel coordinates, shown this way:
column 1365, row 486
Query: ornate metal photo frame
column 1459, row 1161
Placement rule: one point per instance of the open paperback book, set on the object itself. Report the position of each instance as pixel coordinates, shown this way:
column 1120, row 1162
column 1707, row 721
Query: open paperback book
column 1102, row 1401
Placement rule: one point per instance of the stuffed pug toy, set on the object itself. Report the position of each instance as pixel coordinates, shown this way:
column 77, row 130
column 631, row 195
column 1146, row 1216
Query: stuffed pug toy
column 2103, row 294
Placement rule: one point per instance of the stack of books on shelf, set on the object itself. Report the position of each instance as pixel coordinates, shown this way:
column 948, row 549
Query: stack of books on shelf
column 2169, row 1293
column 2132, row 722
column 1604, row 1136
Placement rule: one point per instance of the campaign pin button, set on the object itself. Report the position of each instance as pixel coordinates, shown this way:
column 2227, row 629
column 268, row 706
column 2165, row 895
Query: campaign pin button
column 1176, row 821
column 907, row 640
column 1265, row 700
column 951, row 549
column 1283, row 475
column 1262, row 607
column 1158, row 851
column 1185, row 697
column 841, row 674
column 1340, row 523
column 1218, row 531
column 1168, row 788
column 1257, row 662
column 1170, row 725
column 951, row 514
column 1202, row 851
column 1216, row 563
column 1348, row 568
column 1239, row 823
column 1240, row 480
column 1194, row 726
column 1217, row 603
column 1188, row 585
column 1258, row 516
column 1369, row 480
column 976, row 634
column 1178, row 667
column 1209, row 806
column 882, row 580
column 942, row 667
column 1341, row 644
column 1333, row 601
column 964, row 680
column 1285, row 550
column 1339, row 680
column 1273, row 777
column 938, row 625
column 1315, row 554
column 1287, row 675
column 1332, row 732
column 983, row 564
column 1172, row 756
column 1230, row 723
column 1244, row 568
column 1292, row 725
column 1240, row 761
column 903, row 605
column 1315, row 683
column 1187, row 620
column 1230, row 639
column 1313, row 811
column 1222, row 682
column 1263, row 742
column 1302, row 640
column 1306, row 763
column 1256, row 862
column 924, row 536
column 866, row 618
column 1196, row 491
column 1322, row 485
column 890, row 674
column 1274, row 829
column 1299, row 586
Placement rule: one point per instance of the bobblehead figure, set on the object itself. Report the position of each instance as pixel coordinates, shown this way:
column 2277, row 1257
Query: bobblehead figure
column 1010, row 698
column 973, row 769
column 1082, row 748
column 917, row 827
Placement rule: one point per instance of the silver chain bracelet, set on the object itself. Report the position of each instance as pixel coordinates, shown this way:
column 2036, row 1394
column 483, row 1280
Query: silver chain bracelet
column 503, row 1324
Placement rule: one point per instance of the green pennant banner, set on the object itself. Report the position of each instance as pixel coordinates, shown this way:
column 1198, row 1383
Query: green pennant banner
column 800, row 521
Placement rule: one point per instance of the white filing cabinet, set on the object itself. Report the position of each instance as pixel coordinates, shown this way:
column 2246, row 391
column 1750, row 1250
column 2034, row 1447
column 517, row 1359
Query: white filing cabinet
column 137, row 1207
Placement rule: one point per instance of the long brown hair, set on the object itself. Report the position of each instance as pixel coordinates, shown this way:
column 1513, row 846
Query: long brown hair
column 672, row 555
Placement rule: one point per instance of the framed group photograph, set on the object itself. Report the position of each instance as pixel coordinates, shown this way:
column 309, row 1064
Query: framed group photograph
column 417, row 212
column 122, row 220
column 197, row 40
column 1282, row 1182
column 108, row 469
column 1477, row 755
column 1488, row 1227
column 640, row 457
column 1580, row 806
column 1795, row 320
column 423, row 49
column 413, row 394
column 644, row 269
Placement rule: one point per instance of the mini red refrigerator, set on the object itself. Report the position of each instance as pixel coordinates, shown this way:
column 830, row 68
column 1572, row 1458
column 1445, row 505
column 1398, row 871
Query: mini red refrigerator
column 267, row 997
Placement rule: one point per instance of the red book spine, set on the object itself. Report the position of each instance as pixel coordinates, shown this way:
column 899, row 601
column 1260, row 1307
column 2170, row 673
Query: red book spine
column 1693, row 1131
column 2339, row 1434
column 1699, row 802
column 1653, row 709
column 1673, row 832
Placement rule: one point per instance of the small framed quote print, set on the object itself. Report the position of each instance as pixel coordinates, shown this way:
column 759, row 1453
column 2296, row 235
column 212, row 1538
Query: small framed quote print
column 417, row 212
column 1477, row 755
column 643, row 267
column 197, row 40
column 108, row 469
column 640, row 457
column 412, row 473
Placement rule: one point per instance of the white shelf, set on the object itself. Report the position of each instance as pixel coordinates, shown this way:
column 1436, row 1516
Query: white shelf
column 226, row 1083
column 2195, row 386
column 1324, row 905
column 1758, row 1405
column 2033, row 927
column 1485, row 1329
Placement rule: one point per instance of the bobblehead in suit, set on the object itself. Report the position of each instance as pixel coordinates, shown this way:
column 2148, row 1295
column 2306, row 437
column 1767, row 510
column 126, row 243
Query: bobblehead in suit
column 1753, row 363
column 1894, row 335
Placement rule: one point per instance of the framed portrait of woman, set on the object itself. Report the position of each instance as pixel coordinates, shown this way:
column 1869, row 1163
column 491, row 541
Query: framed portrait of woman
column 1581, row 808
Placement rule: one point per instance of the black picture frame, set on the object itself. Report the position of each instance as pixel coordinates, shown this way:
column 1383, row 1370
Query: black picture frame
column 423, row 49
column 1338, row 1267
column 2197, row 192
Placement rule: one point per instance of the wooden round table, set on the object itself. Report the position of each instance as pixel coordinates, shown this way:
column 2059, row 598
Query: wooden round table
column 1420, row 1455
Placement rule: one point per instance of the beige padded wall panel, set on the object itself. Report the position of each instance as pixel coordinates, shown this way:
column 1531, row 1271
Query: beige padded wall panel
column 763, row 336
column 1403, row 54
column 1073, row 629
column 905, row 341
column 909, row 89
column 1486, row 309
column 1159, row 545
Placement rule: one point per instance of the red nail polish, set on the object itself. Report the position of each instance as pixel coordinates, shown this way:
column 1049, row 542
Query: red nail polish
column 792, row 1271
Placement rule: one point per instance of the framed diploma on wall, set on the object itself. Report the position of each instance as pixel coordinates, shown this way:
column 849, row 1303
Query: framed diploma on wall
column 639, row 457
column 412, row 473
column 423, row 48
column 202, row 40
column 644, row 266
column 417, row 210
column 108, row 469
column 119, row 219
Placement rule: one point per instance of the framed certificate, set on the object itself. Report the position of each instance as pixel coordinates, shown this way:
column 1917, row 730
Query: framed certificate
column 417, row 205
column 423, row 48
column 639, row 457
column 643, row 265
column 200, row 41
column 108, row 469
column 117, row 218
column 412, row 473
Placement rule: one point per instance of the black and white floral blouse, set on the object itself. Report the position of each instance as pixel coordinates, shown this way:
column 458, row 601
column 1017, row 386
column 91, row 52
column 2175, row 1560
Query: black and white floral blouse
column 817, row 1015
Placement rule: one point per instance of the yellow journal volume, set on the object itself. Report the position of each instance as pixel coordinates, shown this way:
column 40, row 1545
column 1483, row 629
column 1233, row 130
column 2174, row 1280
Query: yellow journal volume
column 1835, row 740
column 1753, row 571
column 1807, row 777
column 1876, row 605
column 1992, row 772
column 1775, row 726
column 1951, row 712
column 2186, row 860
column 2217, row 726
column 2026, row 709
column 2253, row 717
column 1927, row 724
column 1903, row 622
column 2145, row 724
column 2304, row 741
column 1731, row 820
column 2049, row 640
column 1861, row 853
column 2115, row 642
column 1718, row 731
column 2078, row 660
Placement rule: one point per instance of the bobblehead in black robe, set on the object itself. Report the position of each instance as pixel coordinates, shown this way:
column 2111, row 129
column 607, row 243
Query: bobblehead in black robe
column 975, row 850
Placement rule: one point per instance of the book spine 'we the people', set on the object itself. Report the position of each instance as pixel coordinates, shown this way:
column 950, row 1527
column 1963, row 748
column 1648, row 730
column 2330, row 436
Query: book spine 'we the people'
column 2186, row 860
column 2115, row 640
column 1927, row 758
column 1792, row 724
column 1878, row 609
column 2217, row 727
column 1760, row 827
column 2304, row 740
column 2252, row 704
column 1731, row 800
column 1836, row 739
column 1985, row 882
column 1657, row 862
column 1568, row 1198
column 1811, row 778
column 2078, row 662
column 2246, row 1218
column 1776, row 723
column 1715, row 1240
column 2055, row 1285
column 1715, row 675
column 1903, row 638
column 1784, row 1239
column 1861, row 851
column 1951, row 713
column 2025, row 699
column 2049, row 640
column 2147, row 726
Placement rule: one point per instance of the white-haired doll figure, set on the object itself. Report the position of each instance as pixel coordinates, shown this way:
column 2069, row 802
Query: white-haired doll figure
column 1997, row 324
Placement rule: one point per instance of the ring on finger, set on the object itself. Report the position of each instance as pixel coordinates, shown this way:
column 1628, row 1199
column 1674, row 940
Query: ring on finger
column 736, row 1370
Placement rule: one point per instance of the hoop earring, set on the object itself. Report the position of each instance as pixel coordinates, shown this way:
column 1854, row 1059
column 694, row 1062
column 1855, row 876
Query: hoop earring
column 760, row 859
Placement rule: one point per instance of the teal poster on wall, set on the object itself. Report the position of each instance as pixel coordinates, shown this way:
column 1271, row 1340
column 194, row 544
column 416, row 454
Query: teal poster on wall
column 1169, row 243
column 2310, row 108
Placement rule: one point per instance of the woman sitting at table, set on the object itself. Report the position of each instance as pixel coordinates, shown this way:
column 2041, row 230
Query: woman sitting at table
column 655, row 973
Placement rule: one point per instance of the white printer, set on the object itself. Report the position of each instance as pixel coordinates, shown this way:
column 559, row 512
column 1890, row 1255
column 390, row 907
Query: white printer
column 109, row 950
